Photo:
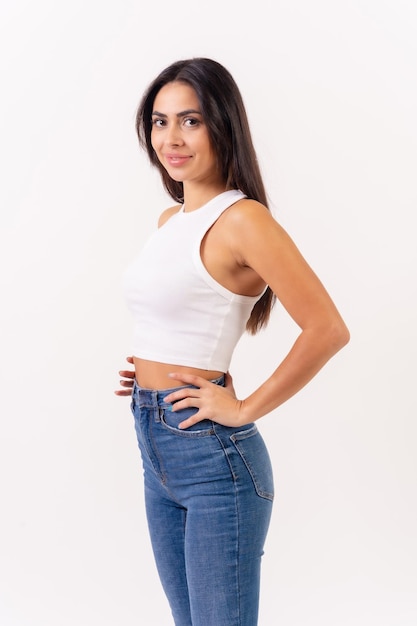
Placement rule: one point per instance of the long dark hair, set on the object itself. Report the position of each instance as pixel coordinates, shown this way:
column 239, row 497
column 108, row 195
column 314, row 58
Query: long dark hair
column 225, row 116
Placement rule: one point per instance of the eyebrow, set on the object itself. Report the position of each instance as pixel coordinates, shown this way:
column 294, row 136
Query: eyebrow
column 180, row 114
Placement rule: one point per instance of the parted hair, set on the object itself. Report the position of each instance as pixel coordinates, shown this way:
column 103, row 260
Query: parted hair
column 224, row 114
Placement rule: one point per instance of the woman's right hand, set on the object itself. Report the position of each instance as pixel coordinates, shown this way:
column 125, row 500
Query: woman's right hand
column 127, row 380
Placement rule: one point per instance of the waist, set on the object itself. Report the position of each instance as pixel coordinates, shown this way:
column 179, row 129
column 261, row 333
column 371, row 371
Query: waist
column 154, row 375
column 156, row 397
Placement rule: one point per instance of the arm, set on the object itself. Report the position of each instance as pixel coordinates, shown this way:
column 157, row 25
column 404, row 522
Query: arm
column 268, row 249
column 260, row 243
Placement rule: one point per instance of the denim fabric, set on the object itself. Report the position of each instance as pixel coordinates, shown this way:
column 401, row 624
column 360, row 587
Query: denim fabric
column 208, row 493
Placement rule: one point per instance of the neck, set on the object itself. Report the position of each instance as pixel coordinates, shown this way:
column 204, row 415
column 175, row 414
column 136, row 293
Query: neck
column 197, row 197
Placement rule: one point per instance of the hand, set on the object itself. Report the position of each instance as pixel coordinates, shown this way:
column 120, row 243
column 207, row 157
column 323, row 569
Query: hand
column 214, row 402
column 128, row 384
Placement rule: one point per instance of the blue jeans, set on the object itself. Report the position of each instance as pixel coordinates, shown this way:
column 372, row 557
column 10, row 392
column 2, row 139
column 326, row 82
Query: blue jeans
column 208, row 494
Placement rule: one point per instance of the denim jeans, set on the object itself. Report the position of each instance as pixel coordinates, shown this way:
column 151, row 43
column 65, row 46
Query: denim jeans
column 208, row 494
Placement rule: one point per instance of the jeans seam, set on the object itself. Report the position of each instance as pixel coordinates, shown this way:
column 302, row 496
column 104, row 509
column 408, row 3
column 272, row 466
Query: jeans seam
column 239, row 593
column 227, row 457
column 143, row 442
column 237, row 547
column 161, row 472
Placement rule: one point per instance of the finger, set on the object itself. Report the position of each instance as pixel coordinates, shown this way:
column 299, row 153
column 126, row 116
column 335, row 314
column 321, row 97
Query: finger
column 194, row 419
column 181, row 394
column 126, row 383
column 189, row 379
column 123, row 392
column 129, row 359
column 184, row 403
column 127, row 373
column 187, row 403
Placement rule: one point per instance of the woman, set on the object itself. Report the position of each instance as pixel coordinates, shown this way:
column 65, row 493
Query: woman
column 212, row 269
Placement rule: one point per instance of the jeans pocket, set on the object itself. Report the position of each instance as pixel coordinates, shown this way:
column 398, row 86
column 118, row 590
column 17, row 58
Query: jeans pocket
column 254, row 453
column 171, row 419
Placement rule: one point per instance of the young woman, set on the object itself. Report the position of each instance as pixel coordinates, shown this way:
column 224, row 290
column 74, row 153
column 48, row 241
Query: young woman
column 212, row 270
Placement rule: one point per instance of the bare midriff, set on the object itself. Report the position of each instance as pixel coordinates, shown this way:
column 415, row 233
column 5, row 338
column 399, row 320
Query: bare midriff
column 154, row 375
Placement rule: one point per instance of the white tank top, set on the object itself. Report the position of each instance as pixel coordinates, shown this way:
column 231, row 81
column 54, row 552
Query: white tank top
column 182, row 315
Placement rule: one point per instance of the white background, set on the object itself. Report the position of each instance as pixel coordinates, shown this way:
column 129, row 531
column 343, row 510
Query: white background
column 331, row 92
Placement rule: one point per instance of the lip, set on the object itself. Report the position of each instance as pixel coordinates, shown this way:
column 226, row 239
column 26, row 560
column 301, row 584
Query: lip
column 176, row 160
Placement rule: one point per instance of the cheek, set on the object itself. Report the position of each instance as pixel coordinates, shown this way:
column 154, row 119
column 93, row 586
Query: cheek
column 212, row 156
column 154, row 141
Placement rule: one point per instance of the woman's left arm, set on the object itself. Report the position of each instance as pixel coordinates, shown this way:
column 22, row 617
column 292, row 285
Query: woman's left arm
column 261, row 244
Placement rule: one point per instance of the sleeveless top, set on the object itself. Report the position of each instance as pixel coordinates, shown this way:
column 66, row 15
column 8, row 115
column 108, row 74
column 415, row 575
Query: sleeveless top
column 182, row 315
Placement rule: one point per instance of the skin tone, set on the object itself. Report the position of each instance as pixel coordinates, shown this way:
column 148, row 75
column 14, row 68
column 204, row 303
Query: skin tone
column 244, row 250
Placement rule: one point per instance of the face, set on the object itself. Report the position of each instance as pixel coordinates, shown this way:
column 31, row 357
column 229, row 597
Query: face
column 180, row 137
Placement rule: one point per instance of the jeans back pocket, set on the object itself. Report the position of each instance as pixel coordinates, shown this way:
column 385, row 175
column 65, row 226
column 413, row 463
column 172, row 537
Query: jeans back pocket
column 254, row 453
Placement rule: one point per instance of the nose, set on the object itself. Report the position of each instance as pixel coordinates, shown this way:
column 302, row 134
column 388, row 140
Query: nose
column 173, row 136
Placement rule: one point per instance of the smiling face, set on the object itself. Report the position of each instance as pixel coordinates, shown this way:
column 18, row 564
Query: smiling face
column 180, row 137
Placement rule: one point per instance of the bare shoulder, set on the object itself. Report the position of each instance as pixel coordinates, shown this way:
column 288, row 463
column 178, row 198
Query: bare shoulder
column 253, row 233
column 247, row 209
column 165, row 215
column 250, row 214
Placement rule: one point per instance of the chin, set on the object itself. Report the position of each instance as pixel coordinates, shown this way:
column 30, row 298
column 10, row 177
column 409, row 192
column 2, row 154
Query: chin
column 176, row 177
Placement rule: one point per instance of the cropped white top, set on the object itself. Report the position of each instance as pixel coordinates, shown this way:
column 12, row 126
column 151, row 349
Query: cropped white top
column 182, row 315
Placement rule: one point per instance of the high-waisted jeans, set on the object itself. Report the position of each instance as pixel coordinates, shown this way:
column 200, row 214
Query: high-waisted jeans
column 208, row 493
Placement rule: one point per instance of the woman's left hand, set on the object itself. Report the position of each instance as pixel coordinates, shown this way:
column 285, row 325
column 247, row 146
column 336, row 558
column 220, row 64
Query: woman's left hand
column 213, row 402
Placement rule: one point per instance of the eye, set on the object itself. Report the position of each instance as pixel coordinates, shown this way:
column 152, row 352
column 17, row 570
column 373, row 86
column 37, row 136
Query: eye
column 190, row 122
column 158, row 122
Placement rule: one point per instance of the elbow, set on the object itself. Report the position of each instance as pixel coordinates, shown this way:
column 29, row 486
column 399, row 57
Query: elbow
column 338, row 336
